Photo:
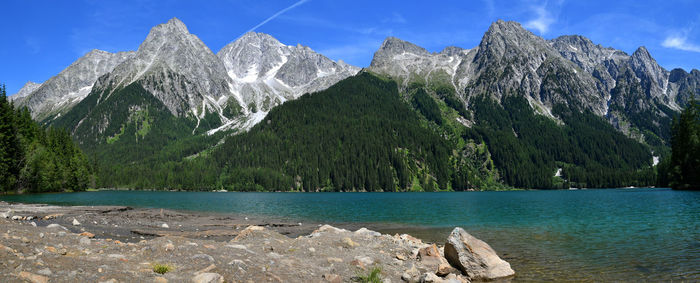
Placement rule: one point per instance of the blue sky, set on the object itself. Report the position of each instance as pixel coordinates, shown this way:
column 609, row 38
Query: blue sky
column 42, row 37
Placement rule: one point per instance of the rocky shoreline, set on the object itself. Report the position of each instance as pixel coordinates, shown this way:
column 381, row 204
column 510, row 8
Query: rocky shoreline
column 41, row 243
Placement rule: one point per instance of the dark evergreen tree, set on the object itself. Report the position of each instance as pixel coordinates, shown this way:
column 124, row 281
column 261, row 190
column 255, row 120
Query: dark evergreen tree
column 36, row 160
column 10, row 149
column 684, row 168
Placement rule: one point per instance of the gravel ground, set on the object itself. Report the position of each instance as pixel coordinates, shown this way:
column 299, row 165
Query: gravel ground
column 41, row 243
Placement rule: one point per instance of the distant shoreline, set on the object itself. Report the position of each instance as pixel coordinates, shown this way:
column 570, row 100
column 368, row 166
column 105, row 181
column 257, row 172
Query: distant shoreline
column 224, row 191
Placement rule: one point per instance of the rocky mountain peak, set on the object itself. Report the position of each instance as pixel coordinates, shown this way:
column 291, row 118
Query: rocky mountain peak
column 642, row 54
column 509, row 39
column 26, row 90
column 266, row 72
column 507, row 30
column 258, row 39
column 177, row 68
column 59, row 93
column 252, row 55
column 452, row 50
column 393, row 49
column 646, row 68
column 97, row 52
column 584, row 53
column 501, row 26
column 574, row 42
column 393, row 45
column 172, row 32
column 172, row 25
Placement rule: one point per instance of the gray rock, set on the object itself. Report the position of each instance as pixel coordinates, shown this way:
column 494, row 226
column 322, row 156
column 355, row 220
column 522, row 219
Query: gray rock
column 75, row 222
column 45, row 271
column 55, row 226
column 238, row 263
column 61, row 92
column 454, row 278
column 430, row 278
column 586, row 75
column 117, row 256
column 332, row 278
column 365, row 231
column 84, row 241
column 266, row 72
column 203, row 256
column 26, row 90
column 178, row 69
column 474, row 257
column 365, row 260
column 208, row 278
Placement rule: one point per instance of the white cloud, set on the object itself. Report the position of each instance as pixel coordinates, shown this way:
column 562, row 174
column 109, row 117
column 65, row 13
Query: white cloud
column 298, row 3
column 680, row 42
column 542, row 22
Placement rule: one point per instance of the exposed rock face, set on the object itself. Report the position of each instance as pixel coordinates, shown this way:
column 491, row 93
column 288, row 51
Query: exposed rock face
column 474, row 257
column 569, row 70
column 208, row 278
column 513, row 61
column 247, row 78
column 61, row 92
column 26, row 90
column 407, row 63
column 177, row 68
column 650, row 73
column 254, row 73
column 584, row 53
column 266, row 72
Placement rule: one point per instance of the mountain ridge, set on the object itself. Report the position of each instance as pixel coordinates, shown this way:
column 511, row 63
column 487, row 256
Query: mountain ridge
column 569, row 69
column 165, row 64
column 174, row 100
column 58, row 94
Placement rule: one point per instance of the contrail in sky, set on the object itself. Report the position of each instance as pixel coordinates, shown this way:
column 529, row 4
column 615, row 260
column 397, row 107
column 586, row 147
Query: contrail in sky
column 278, row 14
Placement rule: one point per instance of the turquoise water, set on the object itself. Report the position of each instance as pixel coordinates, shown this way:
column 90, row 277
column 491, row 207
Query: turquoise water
column 584, row 235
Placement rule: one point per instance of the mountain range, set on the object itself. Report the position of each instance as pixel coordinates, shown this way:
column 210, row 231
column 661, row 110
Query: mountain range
column 240, row 83
column 176, row 99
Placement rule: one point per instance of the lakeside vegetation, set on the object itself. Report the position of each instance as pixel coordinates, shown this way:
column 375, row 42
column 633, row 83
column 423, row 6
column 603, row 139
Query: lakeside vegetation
column 357, row 135
column 362, row 134
column 682, row 170
column 34, row 159
column 529, row 148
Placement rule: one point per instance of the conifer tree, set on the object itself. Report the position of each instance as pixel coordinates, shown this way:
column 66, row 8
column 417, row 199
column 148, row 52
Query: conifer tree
column 685, row 149
column 10, row 150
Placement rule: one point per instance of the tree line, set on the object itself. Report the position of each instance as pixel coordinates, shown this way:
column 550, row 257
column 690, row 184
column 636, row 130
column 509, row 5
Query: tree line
column 34, row 159
column 682, row 169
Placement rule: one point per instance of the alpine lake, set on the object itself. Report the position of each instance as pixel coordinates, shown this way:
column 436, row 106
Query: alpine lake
column 597, row 235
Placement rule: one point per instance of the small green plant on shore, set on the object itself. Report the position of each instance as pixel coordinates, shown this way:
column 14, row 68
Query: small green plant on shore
column 374, row 276
column 162, row 268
